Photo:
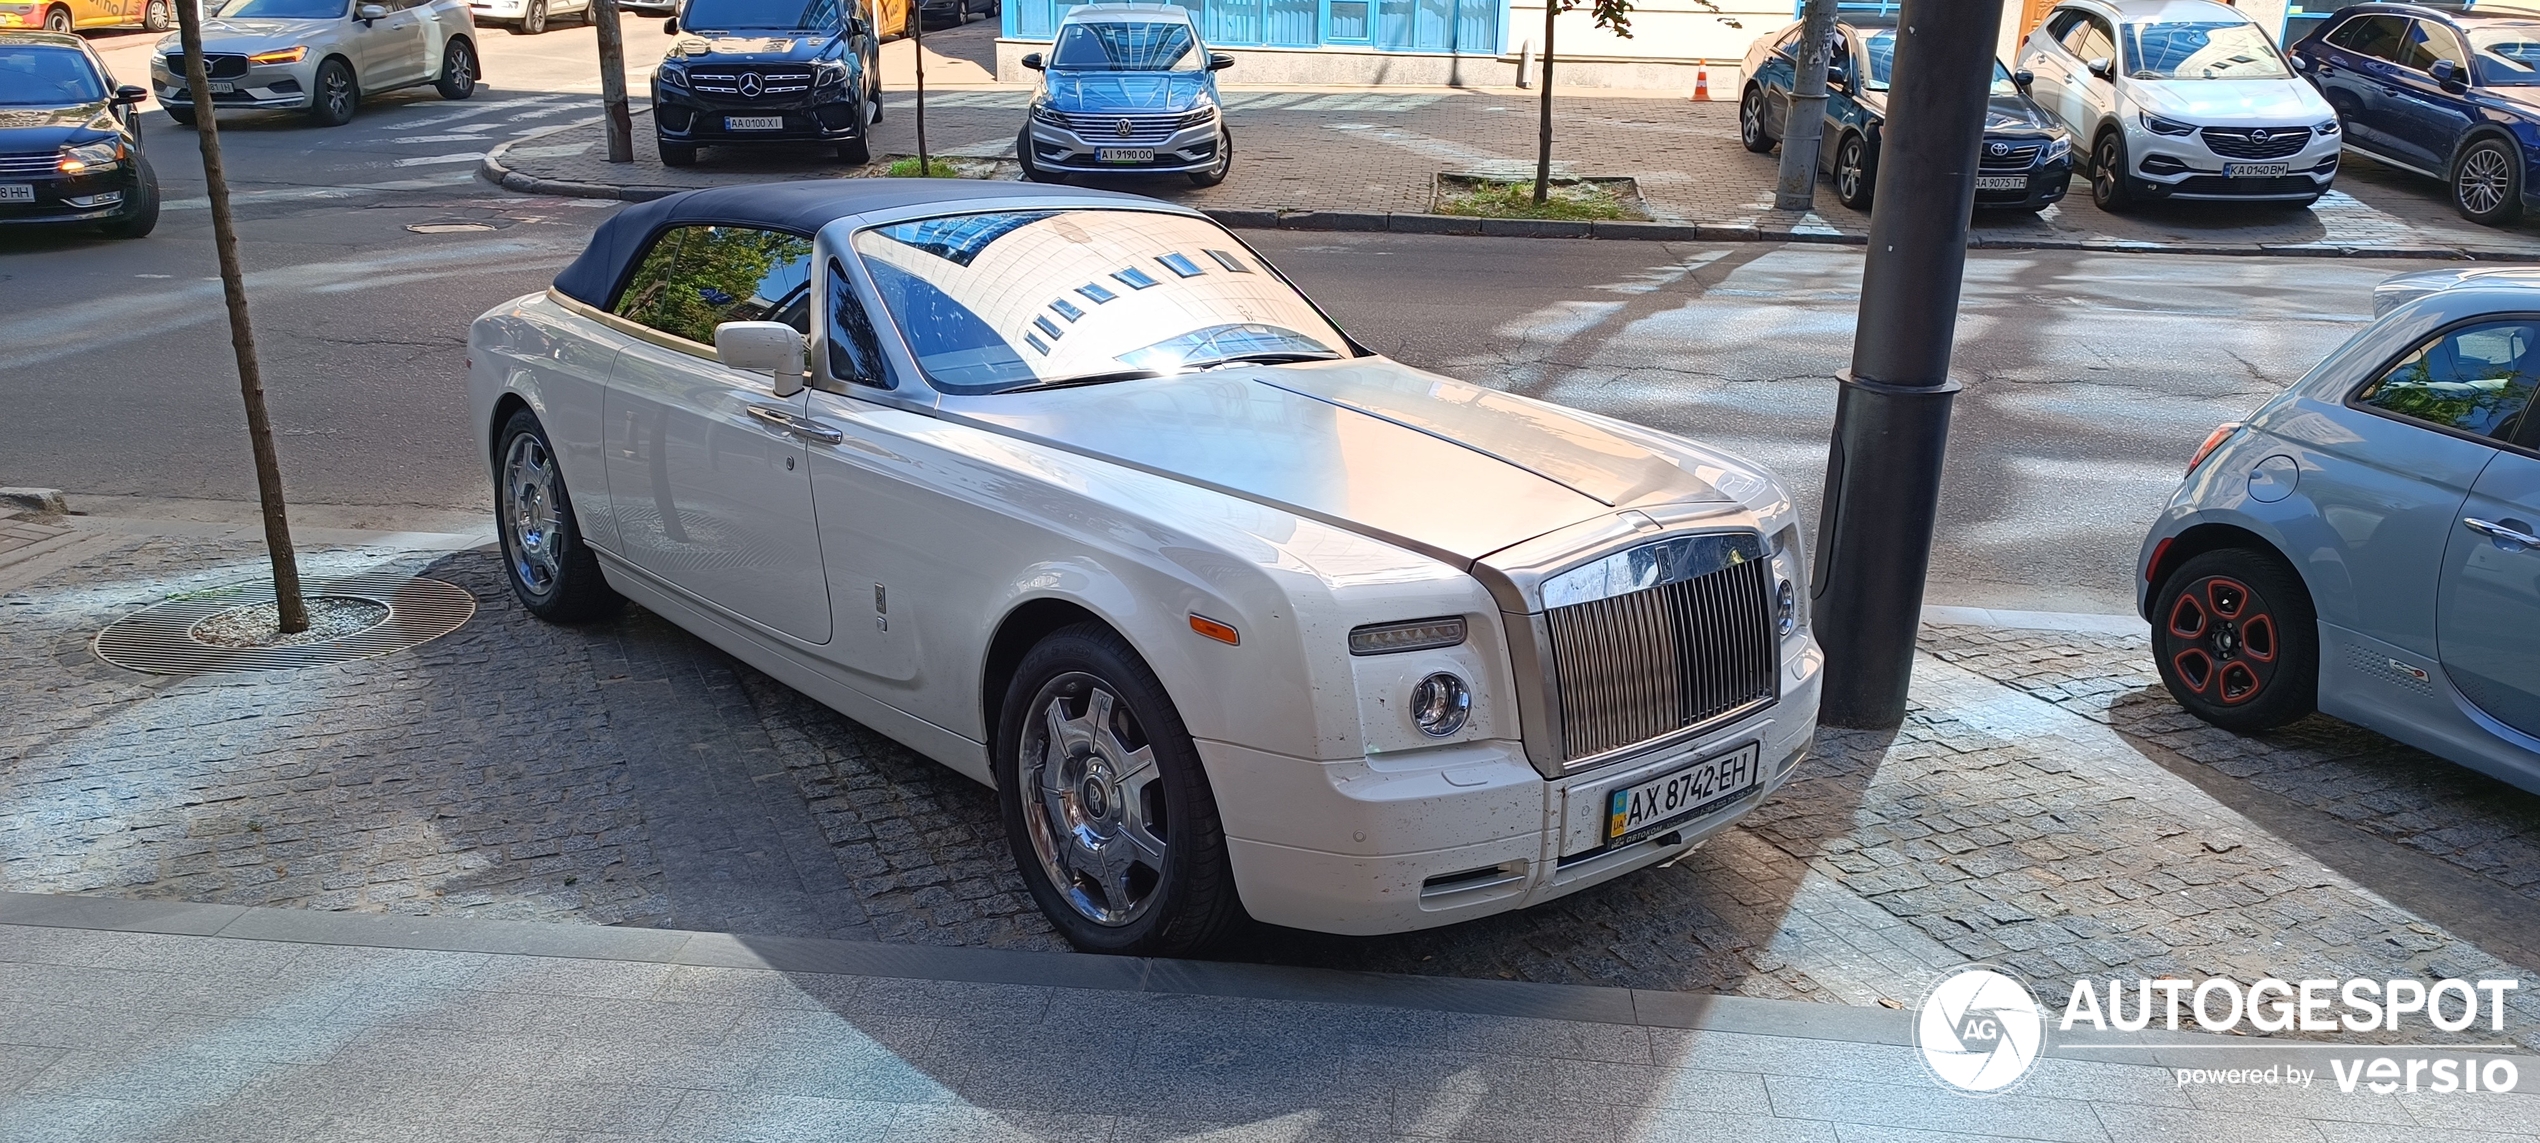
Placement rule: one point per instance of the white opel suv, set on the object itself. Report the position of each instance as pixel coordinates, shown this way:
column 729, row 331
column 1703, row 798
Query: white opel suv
column 2185, row 99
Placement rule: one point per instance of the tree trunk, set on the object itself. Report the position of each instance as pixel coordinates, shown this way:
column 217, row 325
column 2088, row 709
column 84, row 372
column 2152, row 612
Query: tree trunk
column 1543, row 128
column 621, row 127
column 1804, row 129
column 917, row 37
column 293, row 610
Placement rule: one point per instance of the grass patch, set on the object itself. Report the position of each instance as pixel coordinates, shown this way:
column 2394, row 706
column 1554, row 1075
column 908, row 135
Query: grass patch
column 1575, row 200
column 939, row 169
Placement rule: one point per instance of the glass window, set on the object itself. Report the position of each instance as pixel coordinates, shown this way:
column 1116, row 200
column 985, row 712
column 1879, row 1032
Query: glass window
column 33, row 76
column 286, row 10
column 2060, row 29
column 2380, row 37
column 1121, row 45
column 2428, row 43
column 855, row 349
column 983, row 323
column 696, row 277
column 2090, row 40
column 2507, row 55
column 2477, row 379
column 724, row 15
column 1878, row 46
column 2182, row 49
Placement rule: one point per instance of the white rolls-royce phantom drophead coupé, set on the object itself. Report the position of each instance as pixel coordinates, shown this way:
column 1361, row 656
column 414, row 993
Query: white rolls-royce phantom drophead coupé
column 1075, row 494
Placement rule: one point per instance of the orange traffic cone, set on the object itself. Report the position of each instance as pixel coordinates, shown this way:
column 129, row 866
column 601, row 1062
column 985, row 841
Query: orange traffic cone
column 1702, row 83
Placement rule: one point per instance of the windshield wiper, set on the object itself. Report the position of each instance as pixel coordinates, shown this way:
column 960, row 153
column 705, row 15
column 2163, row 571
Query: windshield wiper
column 1082, row 379
column 1265, row 357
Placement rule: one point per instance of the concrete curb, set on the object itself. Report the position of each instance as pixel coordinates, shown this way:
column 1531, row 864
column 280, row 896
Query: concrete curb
column 38, row 501
column 494, row 170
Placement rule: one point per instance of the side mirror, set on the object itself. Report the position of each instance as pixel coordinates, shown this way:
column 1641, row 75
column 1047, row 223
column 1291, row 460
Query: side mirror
column 1219, row 61
column 2299, row 61
column 129, row 95
column 1838, row 79
column 2447, row 75
column 2103, row 67
column 1032, row 60
column 369, row 12
column 670, row 25
column 2023, row 79
column 856, row 27
column 763, row 347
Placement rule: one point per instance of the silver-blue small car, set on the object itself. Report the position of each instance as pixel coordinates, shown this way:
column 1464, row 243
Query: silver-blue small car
column 2368, row 543
column 1126, row 88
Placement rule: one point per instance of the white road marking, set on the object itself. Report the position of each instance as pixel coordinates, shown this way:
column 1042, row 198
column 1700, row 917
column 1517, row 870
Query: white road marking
column 287, row 194
column 409, row 140
column 437, row 160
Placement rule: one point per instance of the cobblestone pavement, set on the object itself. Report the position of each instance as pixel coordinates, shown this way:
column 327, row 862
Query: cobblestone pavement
column 2029, row 813
column 1379, row 150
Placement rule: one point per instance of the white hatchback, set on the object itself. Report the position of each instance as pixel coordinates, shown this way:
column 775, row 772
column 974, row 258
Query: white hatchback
column 2185, row 99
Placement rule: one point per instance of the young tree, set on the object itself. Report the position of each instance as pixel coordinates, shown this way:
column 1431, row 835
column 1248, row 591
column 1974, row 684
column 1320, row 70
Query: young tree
column 621, row 123
column 291, row 608
column 1612, row 15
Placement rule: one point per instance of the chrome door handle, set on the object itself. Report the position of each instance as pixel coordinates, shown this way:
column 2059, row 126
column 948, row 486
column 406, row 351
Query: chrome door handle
column 800, row 426
column 2496, row 531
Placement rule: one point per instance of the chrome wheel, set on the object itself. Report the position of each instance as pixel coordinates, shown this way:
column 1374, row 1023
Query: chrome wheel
column 2484, row 180
column 156, row 17
column 1852, row 173
column 1093, row 805
column 1750, row 122
column 532, row 514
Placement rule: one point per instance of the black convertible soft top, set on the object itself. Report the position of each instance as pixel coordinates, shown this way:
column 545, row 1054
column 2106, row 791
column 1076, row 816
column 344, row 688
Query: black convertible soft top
column 794, row 207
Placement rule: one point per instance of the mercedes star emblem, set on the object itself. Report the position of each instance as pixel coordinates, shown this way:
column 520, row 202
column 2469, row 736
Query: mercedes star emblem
column 750, row 85
column 1126, row 128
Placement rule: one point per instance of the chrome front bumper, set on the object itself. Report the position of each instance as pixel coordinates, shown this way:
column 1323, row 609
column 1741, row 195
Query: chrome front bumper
column 1057, row 148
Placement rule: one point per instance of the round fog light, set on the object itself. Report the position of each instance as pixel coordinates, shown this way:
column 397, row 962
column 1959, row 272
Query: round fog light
column 1440, row 704
column 1786, row 606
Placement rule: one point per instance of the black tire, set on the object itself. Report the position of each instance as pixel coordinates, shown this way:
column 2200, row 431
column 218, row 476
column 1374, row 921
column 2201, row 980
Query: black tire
column 1031, row 169
column 157, row 17
column 1750, row 121
column 533, row 19
column 1173, row 892
column 855, row 152
column 141, row 210
column 1225, row 161
column 2486, row 181
column 2111, row 188
column 458, row 71
column 182, row 114
column 550, row 569
column 961, row 12
column 1856, row 175
column 876, row 72
column 58, row 19
column 337, row 97
column 676, row 154
column 2237, row 641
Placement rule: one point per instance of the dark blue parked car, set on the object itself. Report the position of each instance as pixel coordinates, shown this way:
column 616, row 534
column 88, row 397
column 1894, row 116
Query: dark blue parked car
column 2450, row 95
column 2026, row 161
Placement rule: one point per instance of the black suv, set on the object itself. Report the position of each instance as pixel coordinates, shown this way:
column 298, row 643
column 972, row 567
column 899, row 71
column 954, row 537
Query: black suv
column 767, row 71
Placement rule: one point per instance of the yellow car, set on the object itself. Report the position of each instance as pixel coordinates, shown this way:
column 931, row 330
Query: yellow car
column 71, row 15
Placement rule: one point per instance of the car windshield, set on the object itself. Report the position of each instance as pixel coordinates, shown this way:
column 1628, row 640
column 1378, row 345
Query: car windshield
column 33, row 76
column 2188, row 50
column 725, row 14
column 991, row 303
column 286, row 9
column 1880, row 46
column 1119, row 45
column 2508, row 55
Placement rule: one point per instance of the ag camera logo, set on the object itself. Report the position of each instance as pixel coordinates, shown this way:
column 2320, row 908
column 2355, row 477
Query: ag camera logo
column 1980, row 1030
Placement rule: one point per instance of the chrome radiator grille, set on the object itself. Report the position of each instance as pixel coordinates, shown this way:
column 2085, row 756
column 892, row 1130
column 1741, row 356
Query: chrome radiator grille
column 1645, row 664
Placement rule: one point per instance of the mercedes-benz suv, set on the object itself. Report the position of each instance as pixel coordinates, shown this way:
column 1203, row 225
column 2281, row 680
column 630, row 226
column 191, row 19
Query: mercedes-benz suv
column 750, row 72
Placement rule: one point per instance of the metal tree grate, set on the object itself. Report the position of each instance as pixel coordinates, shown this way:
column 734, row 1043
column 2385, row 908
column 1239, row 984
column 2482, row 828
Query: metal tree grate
column 157, row 639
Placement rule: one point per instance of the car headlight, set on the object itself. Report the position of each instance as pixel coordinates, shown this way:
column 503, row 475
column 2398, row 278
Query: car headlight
column 1440, row 704
column 673, row 76
column 87, row 157
column 1409, row 635
column 1048, row 114
column 2326, row 129
column 2159, row 126
column 2056, row 148
column 827, row 72
column 292, row 54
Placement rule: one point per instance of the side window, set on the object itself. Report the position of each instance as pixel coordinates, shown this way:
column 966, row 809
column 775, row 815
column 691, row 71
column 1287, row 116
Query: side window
column 2380, row 37
column 855, row 350
column 2477, row 379
column 2060, row 28
column 2430, row 42
column 697, row 277
column 2092, row 40
column 1788, row 45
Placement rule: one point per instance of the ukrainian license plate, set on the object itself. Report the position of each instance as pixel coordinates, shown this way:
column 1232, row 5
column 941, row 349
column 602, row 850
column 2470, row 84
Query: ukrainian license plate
column 2001, row 182
column 219, row 88
column 2255, row 170
column 1636, row 810
column 753, row 122
column 1124, row 154
column 17, row 192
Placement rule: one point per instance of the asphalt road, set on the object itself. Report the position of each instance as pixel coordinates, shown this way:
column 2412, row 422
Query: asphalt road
column 370, row 247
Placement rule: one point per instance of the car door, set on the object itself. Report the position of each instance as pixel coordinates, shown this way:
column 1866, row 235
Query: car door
column 2042, row 55
column 1847, row 62
column 2085, row 99
column 2426, row 118
column 706, row 473
column 868, row 490
column 2364, row 86
column 2488, row 629
column 403, row 46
